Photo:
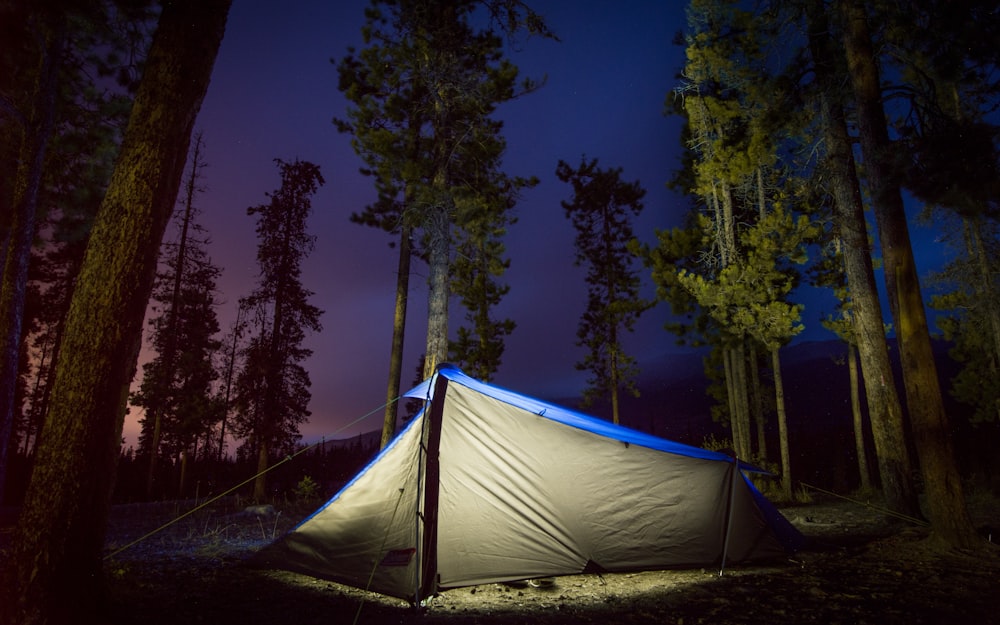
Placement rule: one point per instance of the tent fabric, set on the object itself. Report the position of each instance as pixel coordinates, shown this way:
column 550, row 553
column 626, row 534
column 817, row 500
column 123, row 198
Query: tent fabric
column 487, row 485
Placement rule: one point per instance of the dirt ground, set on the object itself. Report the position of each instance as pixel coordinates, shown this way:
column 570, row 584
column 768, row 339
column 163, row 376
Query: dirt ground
column 856, row 568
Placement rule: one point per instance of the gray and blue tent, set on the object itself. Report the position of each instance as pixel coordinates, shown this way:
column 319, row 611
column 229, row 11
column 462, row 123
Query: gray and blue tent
column 487, row 485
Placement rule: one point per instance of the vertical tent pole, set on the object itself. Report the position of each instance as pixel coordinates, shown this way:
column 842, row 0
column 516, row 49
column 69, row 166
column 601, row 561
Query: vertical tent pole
column 426, row 583
column 733, row 474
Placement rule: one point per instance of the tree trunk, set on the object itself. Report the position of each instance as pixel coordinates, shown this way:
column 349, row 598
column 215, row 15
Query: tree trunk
column 779, row 402
column 741, row 442
column 438, row 228
column 259, row 482
column 615, row 417
column 859, row 429
column 758, row 405
column 230, row 367
column 932, row 435
column 154, row 444
column 54, row 574
column 398, row 333
column 182, row 479
column 730, row 380
column 28, row 182
column 884, row 407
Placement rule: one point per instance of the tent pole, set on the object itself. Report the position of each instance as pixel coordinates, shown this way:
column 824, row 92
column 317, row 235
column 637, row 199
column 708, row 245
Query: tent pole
column 427, row 543
column 729, row 513
column 420, row 491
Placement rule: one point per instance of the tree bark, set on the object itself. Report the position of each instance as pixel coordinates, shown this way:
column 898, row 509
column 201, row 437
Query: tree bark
column 730, row 380
column 55, row 569
column 884, row 408
column 949, row 516
column 739, row 364
column 438, row 229
column 779, row 398
column 398, row 334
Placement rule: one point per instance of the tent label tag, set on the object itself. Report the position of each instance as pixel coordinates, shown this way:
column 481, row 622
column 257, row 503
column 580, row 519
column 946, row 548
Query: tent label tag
column 398, row 557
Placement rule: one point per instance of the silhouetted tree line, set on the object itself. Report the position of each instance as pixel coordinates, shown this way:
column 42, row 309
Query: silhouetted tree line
column 799, row 117
column 329, row 464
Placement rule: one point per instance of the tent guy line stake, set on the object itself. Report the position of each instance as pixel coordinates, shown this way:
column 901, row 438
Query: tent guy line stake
column 212, row 500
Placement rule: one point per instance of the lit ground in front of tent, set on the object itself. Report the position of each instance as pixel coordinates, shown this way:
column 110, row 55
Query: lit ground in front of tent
column 856, row 569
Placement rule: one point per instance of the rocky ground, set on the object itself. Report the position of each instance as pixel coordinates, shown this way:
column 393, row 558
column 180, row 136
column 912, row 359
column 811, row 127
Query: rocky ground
column 857, row 568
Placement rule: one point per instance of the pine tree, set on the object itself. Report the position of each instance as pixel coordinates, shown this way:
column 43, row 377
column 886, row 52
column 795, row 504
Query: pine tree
column 79, row 166
column 54, row 571
column 273, row 387
column 479, row 346
column 830, row 272
column 721, row 62
column 47, row 105
column 484, row 211
column 601, row 209
column 947, row 509
column 969, row 306
column 424, row 88
column 750, row 298
column 176, row 386
column 884, row 405
column 950, row 132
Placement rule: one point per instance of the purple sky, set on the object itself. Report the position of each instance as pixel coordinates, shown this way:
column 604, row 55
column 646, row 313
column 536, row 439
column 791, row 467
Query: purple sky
column 273, row 95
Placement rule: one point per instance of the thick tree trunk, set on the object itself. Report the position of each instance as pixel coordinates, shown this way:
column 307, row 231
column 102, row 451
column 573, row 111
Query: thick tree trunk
column 28, row 184
column 884, row 407
column 741, row 442
column 398, row 334
column 932, row 436
column 55, row 574
column 438, row 228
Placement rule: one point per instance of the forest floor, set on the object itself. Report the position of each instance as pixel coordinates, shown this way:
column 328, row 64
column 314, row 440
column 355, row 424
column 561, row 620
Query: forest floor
column 857, row 567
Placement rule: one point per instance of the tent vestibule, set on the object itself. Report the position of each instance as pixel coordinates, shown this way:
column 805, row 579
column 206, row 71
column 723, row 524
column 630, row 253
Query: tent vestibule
column 487, row 485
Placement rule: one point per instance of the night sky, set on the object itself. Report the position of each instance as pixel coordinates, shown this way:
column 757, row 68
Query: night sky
column 274, row 95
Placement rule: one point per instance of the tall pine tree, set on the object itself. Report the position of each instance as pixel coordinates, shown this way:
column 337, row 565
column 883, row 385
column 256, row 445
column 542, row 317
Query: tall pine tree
column 273, row 386
column 176, row 388
column 601, row 211
column 423, row 89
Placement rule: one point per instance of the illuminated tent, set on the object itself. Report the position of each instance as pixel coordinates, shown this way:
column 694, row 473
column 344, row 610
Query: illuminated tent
column 487, row 485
